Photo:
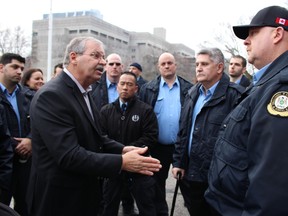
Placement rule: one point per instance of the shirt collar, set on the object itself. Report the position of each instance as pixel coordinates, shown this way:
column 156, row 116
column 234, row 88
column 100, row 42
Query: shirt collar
column 122, row 102
column 4, row 89
column 109, row 83
column 210, row 91
column 83, row 91
column 259, row 74
column 163, row 82
column 238, row 80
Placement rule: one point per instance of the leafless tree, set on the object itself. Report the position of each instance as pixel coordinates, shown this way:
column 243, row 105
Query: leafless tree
column 14, row 41
column 225, row 39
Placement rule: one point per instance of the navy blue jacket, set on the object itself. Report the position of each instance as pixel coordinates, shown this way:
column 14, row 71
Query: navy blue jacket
column 140, row 82
column 245, row 82
column 11, row 117
column 6, row 152
column 206, row 128
column 248, row 174
column 9, row 130
column 100, row 92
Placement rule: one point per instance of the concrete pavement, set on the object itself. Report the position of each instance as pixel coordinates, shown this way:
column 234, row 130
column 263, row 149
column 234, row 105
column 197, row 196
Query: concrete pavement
column 180, row 209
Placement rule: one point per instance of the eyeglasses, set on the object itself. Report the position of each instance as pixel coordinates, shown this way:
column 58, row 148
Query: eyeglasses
column 95, row 55
column 112, row 63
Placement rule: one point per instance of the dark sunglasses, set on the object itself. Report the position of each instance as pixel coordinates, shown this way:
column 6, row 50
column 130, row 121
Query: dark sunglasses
column 112, row 63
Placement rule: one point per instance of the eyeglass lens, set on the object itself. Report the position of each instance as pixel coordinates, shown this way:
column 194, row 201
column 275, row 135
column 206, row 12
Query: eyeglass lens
column 112, row 63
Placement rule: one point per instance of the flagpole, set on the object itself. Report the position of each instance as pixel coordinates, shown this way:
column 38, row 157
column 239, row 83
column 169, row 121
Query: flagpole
column 49, row 53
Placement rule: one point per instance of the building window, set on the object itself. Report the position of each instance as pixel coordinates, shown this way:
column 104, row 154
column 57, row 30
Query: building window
column 103, row 35
column 73, row 32
column 94, row 32
column 83, row 30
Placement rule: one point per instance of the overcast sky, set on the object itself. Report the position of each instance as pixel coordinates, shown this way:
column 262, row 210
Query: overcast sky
column 186, row 21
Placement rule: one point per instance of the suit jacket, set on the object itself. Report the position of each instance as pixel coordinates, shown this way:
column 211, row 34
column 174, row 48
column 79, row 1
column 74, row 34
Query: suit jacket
column 68, row 152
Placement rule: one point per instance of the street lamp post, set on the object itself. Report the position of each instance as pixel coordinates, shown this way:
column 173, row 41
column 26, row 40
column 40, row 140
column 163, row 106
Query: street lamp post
column 49, row 53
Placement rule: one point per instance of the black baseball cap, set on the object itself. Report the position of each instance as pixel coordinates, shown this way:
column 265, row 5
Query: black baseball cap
column 272, row 16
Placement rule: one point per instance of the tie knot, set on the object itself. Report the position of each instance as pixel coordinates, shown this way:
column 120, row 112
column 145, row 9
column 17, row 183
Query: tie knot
column 123, row 107
column 112, row 85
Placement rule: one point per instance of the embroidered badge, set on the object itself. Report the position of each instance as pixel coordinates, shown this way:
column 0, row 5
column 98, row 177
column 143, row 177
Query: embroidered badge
column 279, row 104
column 135, row 118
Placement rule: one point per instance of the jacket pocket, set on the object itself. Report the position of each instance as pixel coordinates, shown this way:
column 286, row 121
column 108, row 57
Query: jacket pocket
column 229, row 170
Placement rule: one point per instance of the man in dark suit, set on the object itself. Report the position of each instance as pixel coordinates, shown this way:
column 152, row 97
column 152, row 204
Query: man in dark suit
column 70, row 154
column 237, row 70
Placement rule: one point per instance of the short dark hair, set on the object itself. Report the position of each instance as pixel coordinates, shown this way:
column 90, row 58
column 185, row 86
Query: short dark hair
column 130, row 73
column 59, row 65
column 244, row 61
column 7, row 58
column 27, row 75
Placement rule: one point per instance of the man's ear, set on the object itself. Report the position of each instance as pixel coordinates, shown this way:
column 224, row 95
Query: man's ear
column 220, row 67
column 1, row 68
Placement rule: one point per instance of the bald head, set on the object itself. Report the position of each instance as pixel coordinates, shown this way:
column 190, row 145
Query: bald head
column 167, row 66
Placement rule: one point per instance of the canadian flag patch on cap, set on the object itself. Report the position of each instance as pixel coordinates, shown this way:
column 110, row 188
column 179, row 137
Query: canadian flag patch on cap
column 281, row 21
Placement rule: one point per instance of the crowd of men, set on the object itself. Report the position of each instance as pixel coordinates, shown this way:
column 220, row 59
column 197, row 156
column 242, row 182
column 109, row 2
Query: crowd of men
column 97, row 135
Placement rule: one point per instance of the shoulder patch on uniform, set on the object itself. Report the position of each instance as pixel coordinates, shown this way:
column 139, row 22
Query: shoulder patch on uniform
column 278, row 105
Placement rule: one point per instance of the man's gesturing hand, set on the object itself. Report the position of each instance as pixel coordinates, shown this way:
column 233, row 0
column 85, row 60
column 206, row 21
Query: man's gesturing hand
column 133, row 161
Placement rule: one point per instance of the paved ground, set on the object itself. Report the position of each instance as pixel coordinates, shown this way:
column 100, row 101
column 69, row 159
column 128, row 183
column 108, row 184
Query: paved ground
column 180, row 209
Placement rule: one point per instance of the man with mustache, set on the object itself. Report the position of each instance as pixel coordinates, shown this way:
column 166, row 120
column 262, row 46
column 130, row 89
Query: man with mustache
column 70, row 153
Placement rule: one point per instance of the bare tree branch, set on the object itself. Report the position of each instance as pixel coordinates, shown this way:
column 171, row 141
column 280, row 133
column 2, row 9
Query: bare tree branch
column 13, row 41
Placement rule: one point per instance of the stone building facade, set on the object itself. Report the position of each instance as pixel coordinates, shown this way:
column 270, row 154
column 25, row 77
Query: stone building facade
column 141, row 47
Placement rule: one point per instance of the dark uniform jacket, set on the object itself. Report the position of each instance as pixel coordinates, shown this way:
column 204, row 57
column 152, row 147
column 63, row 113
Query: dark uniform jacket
column 245, row 82
column 248, row 174
column 100, row 92
column 137, row 126
column 206, row 128
column 11, row 115
column 20, row 171
column 150, row 90
column 9, row 127
column 28, row 96
column 69, row 152
column 6, row 153
column 140, row 82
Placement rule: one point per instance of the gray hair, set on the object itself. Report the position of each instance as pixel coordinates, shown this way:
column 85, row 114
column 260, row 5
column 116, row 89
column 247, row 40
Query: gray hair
column 78, row 45
column 214, row 54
